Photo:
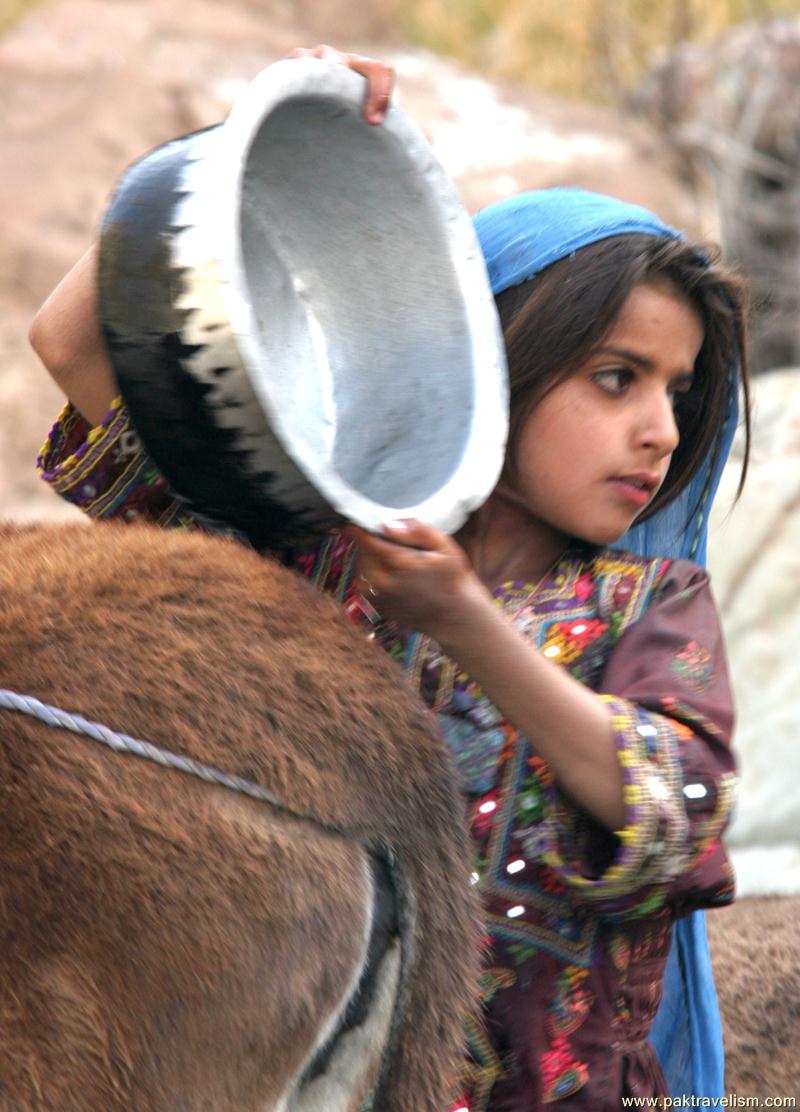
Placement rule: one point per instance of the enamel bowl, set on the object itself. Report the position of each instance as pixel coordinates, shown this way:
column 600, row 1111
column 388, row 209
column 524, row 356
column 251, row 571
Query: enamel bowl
column 298, row 313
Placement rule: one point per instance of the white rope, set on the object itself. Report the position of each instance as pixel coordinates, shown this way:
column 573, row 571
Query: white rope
column 121, row 743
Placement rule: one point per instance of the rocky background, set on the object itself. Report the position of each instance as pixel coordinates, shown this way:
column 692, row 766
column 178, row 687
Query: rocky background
column 710, row 143
column 88, row 85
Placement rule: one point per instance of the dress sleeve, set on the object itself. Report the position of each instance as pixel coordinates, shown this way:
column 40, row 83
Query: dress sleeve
column 668, row 696
column 105, row 471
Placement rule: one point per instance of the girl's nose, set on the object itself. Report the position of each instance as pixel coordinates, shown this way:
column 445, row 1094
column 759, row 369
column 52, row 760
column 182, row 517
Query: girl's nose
column 659, row 429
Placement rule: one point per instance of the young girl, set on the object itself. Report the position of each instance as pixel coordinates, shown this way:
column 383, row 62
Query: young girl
column 581, row 689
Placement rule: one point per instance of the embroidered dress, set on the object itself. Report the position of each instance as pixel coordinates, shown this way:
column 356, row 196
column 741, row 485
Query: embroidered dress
column 578, row 919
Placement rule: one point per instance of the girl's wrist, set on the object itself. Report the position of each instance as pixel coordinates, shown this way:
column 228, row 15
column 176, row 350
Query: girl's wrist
column 469, row 616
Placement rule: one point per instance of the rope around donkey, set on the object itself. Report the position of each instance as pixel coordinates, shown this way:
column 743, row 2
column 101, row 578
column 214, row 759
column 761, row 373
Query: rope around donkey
column 123, row 743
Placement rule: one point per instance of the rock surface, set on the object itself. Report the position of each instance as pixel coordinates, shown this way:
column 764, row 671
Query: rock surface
column 754, row 557
column 731, row 108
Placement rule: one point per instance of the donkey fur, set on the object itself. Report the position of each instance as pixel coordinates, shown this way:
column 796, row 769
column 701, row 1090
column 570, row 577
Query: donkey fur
column 169, row 945
column 755, row 950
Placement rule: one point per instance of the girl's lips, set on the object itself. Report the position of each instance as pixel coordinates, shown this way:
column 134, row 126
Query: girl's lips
column 629, row 490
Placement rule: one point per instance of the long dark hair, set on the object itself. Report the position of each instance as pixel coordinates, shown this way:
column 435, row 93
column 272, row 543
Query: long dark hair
column 553, row 322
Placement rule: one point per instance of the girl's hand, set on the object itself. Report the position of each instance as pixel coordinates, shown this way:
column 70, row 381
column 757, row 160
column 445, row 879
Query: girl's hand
column 418, row 576
column 379, row 75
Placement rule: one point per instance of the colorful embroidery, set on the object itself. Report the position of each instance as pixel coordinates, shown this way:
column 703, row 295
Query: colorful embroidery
column 525, row 900
column 475, row 733
column 625, row 585
column 568, row 640
column 483, row 1066
column 652, row 845
column 105, row 472
column 694, row 667
column 571, row 1004
column 620, row 951
column 562, row 1073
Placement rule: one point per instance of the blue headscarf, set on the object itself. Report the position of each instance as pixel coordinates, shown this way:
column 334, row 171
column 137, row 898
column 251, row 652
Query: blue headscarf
column 519, row 237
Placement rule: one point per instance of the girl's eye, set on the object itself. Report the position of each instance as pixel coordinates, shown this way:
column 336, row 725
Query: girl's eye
column 613, row 381
column 680, row 390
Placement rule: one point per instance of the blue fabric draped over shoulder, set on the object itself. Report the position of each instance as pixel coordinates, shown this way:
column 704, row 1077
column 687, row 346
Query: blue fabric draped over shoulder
column 519, row 237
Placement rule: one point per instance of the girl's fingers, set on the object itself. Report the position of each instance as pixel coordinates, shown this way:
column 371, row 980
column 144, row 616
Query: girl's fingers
column 379, row 76
column 416, row 534
column 381, row 560
column 384, row 549
column 374, row 561
column 380, row 85
column 412, row 573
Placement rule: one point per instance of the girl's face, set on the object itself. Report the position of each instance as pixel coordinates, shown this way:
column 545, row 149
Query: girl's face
column 596, row 449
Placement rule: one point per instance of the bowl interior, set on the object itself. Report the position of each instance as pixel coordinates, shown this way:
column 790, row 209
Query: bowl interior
column 361, row 330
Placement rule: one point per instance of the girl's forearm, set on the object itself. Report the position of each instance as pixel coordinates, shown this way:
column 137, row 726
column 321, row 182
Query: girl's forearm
column 566, row 723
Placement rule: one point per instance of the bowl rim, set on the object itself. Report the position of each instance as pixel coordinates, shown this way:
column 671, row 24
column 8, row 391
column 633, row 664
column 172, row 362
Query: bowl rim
column 476, row 474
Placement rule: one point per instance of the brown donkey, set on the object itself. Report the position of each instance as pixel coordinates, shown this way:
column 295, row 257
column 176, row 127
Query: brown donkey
column 169, row 945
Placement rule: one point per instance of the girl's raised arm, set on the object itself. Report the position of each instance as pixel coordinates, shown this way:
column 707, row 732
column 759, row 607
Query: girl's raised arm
column 423, row 579
column 66, row 336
